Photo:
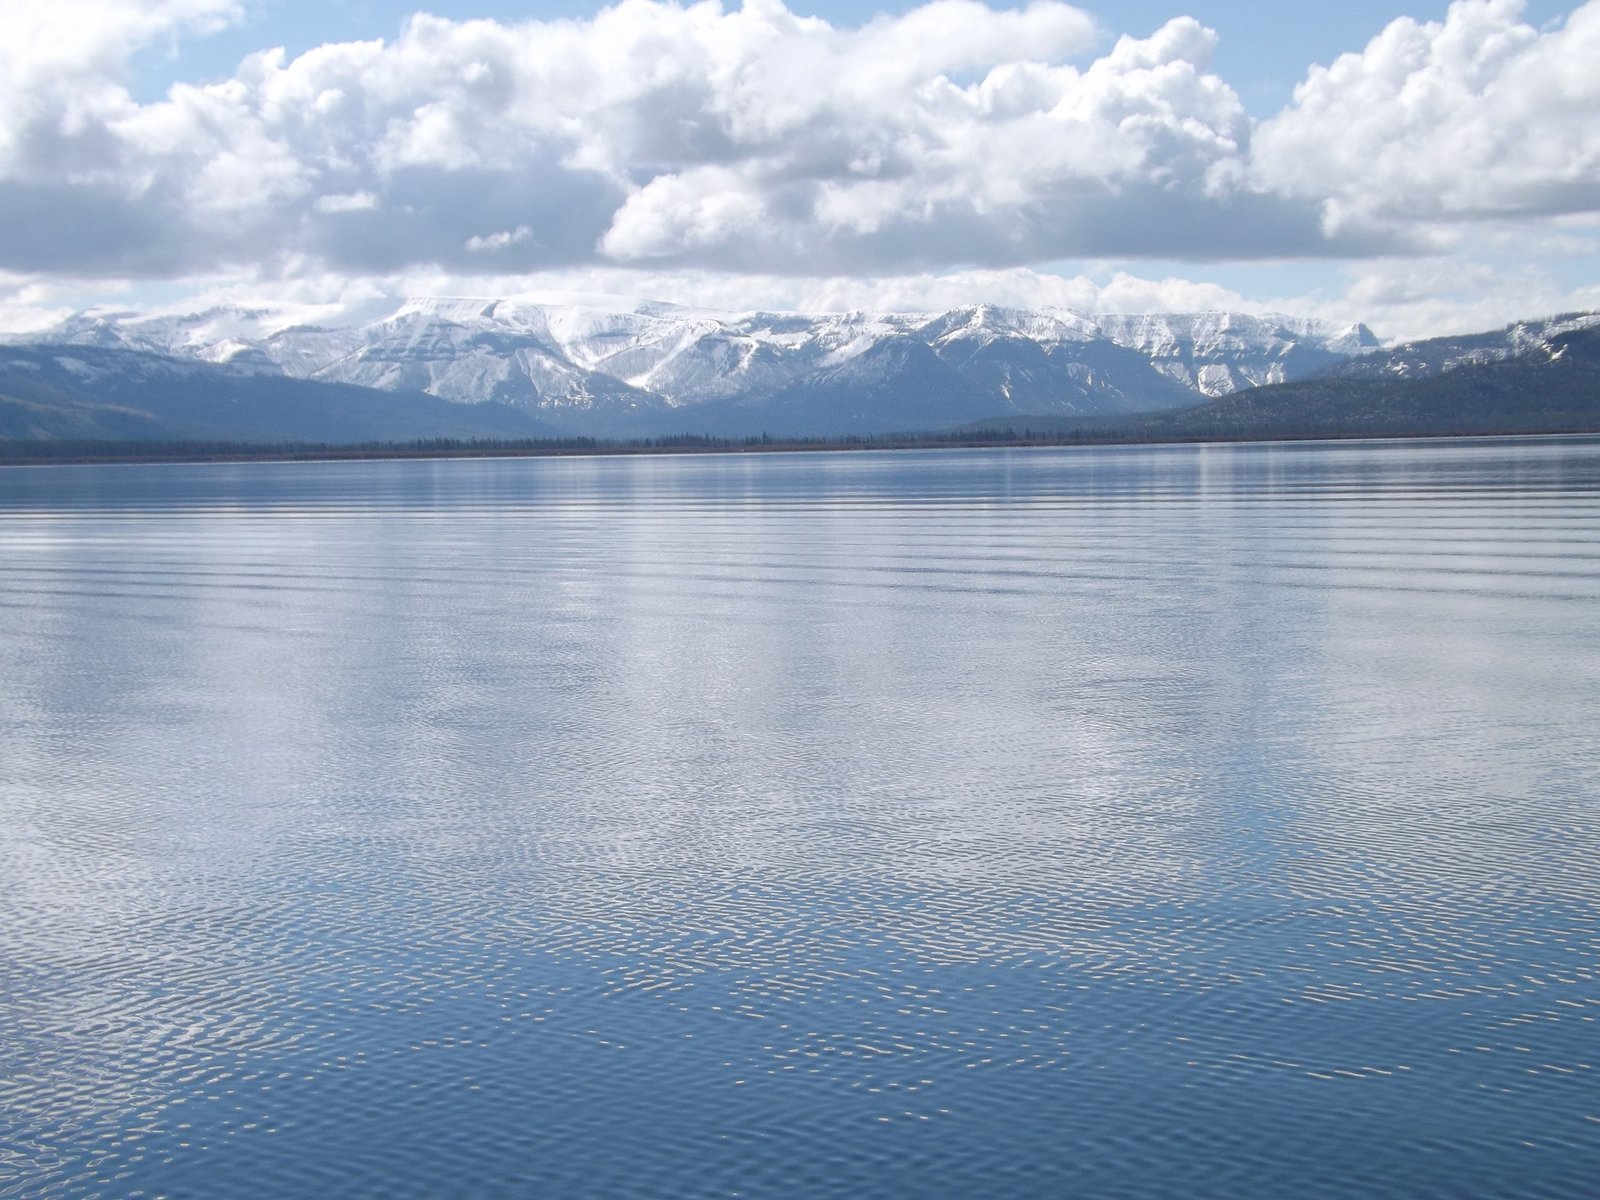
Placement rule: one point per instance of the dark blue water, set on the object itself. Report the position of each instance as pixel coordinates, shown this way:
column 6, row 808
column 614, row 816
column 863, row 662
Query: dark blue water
column 1191, row 822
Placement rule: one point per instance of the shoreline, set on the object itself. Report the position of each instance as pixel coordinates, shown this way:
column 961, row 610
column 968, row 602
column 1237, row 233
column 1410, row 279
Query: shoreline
column 177, row 453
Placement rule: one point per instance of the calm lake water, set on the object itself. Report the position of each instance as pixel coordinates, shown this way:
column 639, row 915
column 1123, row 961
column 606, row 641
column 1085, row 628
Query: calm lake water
column 1181, row 822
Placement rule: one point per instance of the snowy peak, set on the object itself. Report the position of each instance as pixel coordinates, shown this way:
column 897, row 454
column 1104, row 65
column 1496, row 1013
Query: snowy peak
column 1048, row 327
column 1220, row 352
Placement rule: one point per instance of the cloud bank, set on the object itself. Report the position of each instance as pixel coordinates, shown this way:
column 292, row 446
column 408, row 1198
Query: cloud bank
column 749, row 140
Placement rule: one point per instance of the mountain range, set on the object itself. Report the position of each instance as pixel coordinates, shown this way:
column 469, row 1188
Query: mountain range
column 532, row 368
column 604, row 369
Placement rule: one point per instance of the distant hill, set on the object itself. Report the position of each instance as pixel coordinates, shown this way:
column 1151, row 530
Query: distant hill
column 1540, row 377
column 94, row 393
column 1530, row 393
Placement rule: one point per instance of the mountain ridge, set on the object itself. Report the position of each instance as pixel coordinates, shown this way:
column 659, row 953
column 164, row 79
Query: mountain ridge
column 511, row 369
column 615, row 369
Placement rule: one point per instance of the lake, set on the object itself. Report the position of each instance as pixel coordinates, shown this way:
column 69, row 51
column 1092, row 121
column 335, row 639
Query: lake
column 1216, row 821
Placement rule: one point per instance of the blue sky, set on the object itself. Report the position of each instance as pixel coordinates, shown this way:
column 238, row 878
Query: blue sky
column 1444, row 175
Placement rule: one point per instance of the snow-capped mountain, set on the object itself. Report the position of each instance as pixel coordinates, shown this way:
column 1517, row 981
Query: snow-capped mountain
column 1216, row 353
column 1420, row 360
column 603, row 367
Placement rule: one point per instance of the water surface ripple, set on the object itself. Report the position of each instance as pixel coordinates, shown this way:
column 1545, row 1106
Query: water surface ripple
column 1187, row 822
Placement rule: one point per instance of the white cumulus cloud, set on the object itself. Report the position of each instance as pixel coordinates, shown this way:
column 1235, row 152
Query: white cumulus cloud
column 499, row 241
column 1475, row 117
